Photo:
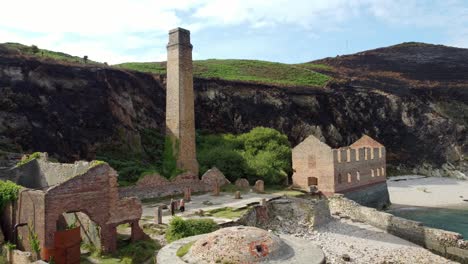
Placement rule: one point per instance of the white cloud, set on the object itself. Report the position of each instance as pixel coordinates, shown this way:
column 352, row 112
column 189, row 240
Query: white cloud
column 111, row 30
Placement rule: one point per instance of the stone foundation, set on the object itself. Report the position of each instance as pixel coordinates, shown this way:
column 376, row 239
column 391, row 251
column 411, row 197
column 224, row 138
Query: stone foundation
column 375, row 195
column 445, row 243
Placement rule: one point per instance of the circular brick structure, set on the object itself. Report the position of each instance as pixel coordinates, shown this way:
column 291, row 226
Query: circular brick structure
column 239, row 244
column 242, row 244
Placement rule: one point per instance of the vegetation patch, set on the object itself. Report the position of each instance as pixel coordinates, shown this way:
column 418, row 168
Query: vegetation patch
column 183, row 250
column 244, row 70
column 315, row 66
column 283, row 191
column 28, row 158
column 8, row 193
column 132, row 165
column 180, row 228
column 262, row 153
column 227, row 212
column 127, row 252
column 35, row 51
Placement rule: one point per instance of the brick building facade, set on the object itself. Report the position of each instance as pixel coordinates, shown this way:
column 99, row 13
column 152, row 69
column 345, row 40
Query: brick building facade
column 343, row 170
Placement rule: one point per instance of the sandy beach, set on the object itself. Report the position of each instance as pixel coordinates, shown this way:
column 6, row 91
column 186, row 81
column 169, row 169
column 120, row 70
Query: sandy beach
column 414, row 190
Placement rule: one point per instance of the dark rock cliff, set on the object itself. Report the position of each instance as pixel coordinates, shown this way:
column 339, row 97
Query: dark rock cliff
column 72, row 110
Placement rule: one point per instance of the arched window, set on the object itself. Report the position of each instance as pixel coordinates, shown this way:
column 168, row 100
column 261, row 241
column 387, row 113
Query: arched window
column 378, row 172
column 348, row 155
column 349, row 177
column 365, row 154
column 339, row 178
column 372, row 172
column 383, row 171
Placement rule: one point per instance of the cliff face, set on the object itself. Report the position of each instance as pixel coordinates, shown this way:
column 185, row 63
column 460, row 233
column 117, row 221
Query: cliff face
column 72, row 110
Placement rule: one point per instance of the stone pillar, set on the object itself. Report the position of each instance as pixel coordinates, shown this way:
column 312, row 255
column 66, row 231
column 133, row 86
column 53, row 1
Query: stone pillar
column 187, row 194
column 158, row 215
column 180, row 116
column 263, row 202
column 216, row 189
column 237, row 195
column 259, row 186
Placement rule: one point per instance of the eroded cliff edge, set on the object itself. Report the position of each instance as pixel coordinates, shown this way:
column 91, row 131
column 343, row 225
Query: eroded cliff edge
column 72, row 110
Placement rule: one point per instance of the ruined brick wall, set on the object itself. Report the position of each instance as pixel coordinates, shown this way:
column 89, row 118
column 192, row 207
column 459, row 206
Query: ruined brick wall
column 357, row 167
column 313, row 160
column 29, row 209
column 445, row 243
column 154, row 185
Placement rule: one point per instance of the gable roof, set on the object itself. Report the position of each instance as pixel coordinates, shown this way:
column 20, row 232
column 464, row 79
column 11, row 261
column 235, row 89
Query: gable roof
column 366, row 141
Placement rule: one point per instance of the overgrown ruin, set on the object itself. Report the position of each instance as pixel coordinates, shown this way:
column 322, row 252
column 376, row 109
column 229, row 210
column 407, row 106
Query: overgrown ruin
column 53, row 189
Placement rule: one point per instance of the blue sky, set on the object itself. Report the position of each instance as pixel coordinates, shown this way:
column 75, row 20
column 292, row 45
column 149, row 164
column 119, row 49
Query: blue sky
column 288, row 31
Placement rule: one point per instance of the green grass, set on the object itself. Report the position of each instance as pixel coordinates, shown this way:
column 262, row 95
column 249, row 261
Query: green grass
column 150, row 67
column 227, row 212
column 281, row 190
column 183, row 250
column 244, row 70
column 127, row 252
column 315, row 66
column 43, row 53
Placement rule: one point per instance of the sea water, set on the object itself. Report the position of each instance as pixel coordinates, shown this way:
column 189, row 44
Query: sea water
column 451, row 219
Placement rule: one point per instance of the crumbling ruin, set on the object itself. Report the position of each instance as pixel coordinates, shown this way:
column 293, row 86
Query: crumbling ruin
column 52, row 189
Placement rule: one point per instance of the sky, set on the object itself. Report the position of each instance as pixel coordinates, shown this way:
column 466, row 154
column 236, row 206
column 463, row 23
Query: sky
column 289, row 31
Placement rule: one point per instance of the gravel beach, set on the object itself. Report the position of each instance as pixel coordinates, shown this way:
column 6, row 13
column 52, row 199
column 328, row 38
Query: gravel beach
column 366, row 244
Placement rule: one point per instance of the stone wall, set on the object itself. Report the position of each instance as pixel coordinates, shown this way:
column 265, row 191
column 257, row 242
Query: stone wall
column 445, row 243
column 154, row 185
column 288, row 214
column 374, row 195
column 40, row 173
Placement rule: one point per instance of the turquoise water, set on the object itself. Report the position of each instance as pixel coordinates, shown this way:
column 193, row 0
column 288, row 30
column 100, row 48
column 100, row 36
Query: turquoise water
column 452, row 219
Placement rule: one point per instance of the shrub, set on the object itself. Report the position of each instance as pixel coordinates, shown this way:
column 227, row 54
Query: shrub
column 169, row 164
column 8, row 192
column 28, row 158
column 263, row 153
column 180, row 228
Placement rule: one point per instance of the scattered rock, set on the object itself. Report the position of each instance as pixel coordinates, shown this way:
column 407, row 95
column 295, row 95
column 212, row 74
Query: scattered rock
column 346, row 257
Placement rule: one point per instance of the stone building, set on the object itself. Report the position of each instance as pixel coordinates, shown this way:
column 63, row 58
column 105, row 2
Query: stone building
column 357, row 171
column 180, row 112
column 53, row 190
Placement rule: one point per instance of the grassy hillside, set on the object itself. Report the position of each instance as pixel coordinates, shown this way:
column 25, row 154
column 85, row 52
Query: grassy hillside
column 43, row 53
column 304, row 74
column 246, row 70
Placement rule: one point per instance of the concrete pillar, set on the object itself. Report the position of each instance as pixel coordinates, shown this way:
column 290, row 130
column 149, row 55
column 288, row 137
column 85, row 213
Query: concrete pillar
column 158, row 215
column 180, row 116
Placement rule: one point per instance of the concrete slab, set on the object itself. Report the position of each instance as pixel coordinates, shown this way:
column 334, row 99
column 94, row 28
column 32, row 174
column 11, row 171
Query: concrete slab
column 208, row 202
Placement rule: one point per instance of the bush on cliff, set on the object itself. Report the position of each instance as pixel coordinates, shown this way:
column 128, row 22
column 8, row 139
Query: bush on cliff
column 8, row 193
column 180, row 228
column 263, row 153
